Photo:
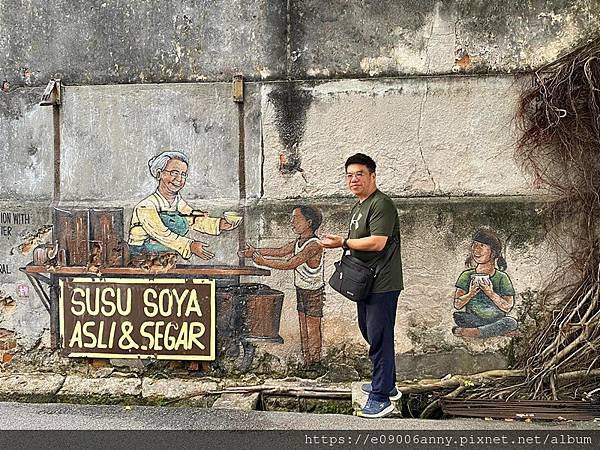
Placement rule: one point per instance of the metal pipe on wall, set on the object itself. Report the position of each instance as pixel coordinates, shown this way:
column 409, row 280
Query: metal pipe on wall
column 238, row 97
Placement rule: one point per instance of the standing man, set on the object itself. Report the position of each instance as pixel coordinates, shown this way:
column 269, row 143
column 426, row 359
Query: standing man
column 374, row 224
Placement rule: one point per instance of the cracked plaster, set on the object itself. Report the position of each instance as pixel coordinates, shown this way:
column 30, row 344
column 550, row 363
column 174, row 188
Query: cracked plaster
column 442, row 136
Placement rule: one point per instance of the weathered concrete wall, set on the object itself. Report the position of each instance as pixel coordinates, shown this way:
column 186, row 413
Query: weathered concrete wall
column 423, row 133
column 115, row 41
column 26, row 151
column 353, row 39
column 431, row 136
column 23, row 225
column 151, row 41
column 439, row 125
column 436, row 235
column 110, row 132
column 26, row 171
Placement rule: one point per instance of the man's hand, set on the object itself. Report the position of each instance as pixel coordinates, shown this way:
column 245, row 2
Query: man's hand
column 200, row 249
column 331, row 241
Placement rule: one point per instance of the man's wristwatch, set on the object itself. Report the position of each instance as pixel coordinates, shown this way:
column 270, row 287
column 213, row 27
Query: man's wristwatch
column 345, row 244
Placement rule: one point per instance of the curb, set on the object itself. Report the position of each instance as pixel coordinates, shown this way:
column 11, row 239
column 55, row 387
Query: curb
column 56, row 388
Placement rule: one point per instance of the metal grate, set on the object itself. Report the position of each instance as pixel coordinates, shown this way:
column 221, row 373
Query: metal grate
column 522, row 409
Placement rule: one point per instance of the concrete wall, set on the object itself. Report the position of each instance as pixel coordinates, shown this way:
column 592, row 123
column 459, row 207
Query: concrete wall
column 110, row 132
column 114, row 41
column 436, row 235
column 26, row 171
column 378, row 38
column 425, row 87
column 431, row 136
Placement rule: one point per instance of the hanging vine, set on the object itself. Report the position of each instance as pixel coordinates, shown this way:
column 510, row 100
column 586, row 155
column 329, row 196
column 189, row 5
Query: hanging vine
column 560, row 146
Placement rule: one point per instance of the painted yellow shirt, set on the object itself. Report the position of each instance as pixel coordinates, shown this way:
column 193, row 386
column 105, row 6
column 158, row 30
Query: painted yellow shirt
column 146, row 223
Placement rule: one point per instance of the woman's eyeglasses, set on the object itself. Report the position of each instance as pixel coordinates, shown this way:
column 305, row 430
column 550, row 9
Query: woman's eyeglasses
column 177, row 173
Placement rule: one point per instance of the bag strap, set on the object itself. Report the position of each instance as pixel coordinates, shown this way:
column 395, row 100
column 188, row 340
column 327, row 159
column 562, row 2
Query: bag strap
column 382, row 260
column 391, row 248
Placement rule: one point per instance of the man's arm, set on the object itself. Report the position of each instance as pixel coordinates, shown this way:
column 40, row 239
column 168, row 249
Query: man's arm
column 365, row 244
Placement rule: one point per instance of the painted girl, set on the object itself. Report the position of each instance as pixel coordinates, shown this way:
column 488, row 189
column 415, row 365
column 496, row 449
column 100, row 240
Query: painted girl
column 484, row 294
column 305, row 257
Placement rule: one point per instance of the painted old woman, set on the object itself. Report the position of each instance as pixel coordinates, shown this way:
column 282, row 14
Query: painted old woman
column 161, row 221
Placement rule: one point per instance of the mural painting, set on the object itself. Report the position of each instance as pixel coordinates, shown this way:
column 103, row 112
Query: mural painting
column 161, row 221
column 166, row 318
column 484, row 293
column 159, row 234
column 305, row 257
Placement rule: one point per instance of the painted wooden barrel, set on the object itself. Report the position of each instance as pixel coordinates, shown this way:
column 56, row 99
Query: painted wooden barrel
column 263, row 314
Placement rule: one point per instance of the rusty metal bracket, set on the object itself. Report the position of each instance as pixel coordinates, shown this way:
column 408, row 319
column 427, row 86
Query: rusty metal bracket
column 52, row 96
column 36, row 280
column 238, row 88
column 52, row 93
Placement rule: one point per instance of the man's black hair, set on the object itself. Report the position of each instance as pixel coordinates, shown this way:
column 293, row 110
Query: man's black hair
column 361, row 158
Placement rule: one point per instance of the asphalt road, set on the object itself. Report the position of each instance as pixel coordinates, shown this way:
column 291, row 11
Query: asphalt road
column 67, row 426
column 54, row 416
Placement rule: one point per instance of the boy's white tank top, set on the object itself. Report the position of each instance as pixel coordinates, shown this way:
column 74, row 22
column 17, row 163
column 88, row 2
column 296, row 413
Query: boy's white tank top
column 305, row 277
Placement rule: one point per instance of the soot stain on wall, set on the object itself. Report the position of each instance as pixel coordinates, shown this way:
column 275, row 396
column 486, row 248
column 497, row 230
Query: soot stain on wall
column 291, row 105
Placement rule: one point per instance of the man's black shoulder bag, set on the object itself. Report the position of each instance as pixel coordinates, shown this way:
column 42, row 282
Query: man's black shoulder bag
column 354, row 278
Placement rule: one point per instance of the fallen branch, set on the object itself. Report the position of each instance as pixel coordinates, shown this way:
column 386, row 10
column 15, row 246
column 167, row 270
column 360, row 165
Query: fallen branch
column 295, row 391
column 459, row 380
column 435, row 405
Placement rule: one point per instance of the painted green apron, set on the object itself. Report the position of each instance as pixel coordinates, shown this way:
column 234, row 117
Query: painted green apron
column 175, row 222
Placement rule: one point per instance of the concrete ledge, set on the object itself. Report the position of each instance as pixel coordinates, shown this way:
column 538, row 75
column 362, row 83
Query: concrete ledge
column 91, row 388
column 30, row 386
column 195, row 392
column 438, row 365
column 246, row 402
column 222, row 393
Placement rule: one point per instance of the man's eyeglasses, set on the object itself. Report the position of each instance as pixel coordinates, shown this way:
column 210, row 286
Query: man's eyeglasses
column 177, row 173
column 358, row 175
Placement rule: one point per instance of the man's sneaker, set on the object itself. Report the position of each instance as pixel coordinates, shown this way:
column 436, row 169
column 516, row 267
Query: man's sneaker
column 374, row 409
column 394, row 394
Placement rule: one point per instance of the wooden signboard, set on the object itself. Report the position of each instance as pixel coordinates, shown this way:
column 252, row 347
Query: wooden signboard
column 137, row 318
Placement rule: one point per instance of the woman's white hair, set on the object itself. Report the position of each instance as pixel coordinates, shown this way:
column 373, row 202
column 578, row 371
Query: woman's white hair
column 158, row 163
